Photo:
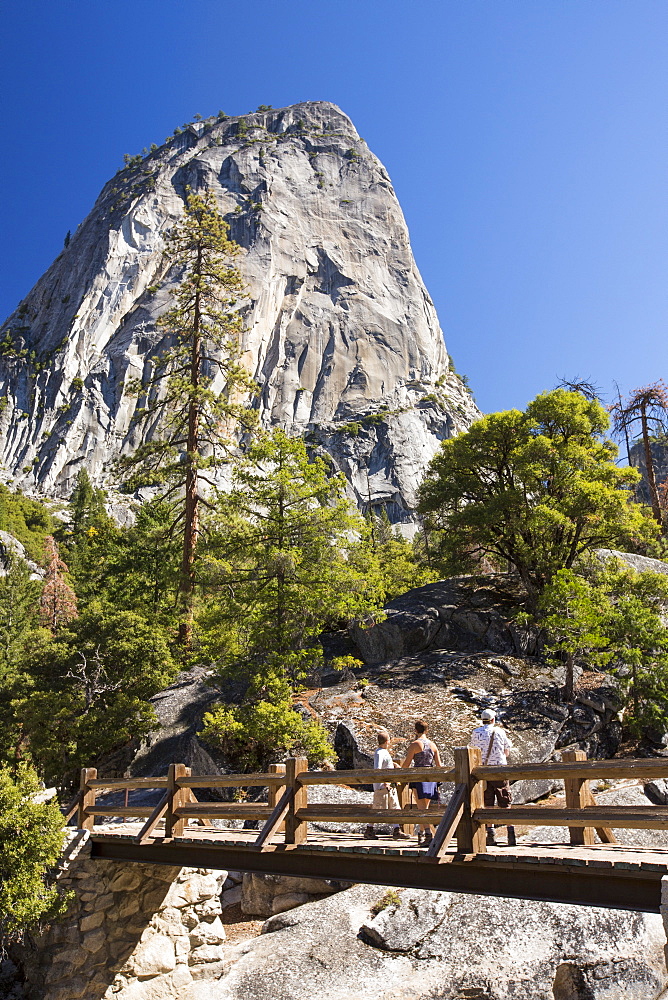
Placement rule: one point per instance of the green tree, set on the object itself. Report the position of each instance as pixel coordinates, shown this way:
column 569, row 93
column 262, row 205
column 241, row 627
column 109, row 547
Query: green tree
column 196, row 388
column 142, row 567
column 284, row 563
column 90, row 538
column 29, row 521
column 19, row 627
column 614, row 617
column 255, row 734
column 533, row 489
column 31, row 839
column 397, row 560
column 638, row 638
column 90, row 688
column 574, row 614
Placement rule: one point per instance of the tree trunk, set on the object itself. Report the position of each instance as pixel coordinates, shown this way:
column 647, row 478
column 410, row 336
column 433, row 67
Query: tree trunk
column 191, row 519
column 649, row 464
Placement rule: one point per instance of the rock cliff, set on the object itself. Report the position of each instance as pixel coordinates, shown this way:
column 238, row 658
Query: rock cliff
column 340, row 332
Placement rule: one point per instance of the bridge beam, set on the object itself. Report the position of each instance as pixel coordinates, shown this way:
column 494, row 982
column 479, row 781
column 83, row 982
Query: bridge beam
column 555, row 883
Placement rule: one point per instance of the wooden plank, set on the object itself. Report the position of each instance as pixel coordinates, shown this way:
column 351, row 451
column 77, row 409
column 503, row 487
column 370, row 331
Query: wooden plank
column 447, row 828
column 178, row 797
column 623, row 817
column 605, row 835
column 153, row 820
column 295, row 827
column 276, row 817
column 364, row 777
column 222, row 810
column 125, row 811
column 230, row 780
column 323, row 812
column 202, row 820
column 129, row 783
column 578, row 795
column 405, row 795
column 275, row 792
column 649, row 767
column 86, row 819
column 73, row 807
column 471, row 833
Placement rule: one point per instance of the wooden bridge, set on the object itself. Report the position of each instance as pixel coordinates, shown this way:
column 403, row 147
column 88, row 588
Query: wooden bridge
column 589, row 868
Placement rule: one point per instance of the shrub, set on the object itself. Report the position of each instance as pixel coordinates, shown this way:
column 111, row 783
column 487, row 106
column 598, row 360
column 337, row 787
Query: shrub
column 256, row 734
column 31, row 839
column 391, row 898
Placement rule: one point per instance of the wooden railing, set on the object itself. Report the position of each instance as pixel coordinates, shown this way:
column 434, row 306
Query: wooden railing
column 464, row 818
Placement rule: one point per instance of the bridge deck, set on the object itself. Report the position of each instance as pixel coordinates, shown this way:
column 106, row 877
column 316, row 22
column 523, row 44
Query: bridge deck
column 601, row 875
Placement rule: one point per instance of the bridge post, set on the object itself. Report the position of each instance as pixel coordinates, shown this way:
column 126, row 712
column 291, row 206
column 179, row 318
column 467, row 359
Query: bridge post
column 87, row 801
column 175, row 825
column 295, row 829
column 275, row 791
column 405, row 803
column 471, row 835
column 578, row 795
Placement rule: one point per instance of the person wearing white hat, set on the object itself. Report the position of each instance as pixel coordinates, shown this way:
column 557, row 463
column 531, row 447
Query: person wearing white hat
column 495, row 746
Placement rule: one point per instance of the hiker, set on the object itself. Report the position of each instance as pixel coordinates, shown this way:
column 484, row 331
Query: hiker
column 423, row 753
column 495, row 746
column 384, row 795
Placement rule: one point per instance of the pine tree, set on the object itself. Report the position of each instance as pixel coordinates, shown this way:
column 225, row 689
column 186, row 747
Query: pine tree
column 91, row 537
column 286, row 559
column 195, row 391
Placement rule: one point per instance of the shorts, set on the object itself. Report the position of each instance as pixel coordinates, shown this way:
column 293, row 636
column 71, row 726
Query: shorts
column 425, row 789
column 497, row 793
column 386, row 798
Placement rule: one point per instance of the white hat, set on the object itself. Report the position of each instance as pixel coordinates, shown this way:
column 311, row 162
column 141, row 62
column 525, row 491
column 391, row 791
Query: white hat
column 488, row 715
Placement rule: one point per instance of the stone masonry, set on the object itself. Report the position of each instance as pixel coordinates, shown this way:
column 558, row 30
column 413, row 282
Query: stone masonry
column 131, row 931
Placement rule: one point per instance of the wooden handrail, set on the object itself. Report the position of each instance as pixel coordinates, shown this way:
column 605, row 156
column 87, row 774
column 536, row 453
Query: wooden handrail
column 72, row 807
column 323, row 812
column 114, row 784
column 231, row 781
column 591, row 769
column 119, row 810
column 628, row 817
column 400, row 775
column 465, row 817
column 223, row 810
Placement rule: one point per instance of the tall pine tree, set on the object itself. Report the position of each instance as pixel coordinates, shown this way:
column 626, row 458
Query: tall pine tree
column 195, row 393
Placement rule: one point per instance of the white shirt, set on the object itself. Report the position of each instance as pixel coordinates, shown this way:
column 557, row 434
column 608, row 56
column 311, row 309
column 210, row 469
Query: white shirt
column 480, row 738
column 381, row 760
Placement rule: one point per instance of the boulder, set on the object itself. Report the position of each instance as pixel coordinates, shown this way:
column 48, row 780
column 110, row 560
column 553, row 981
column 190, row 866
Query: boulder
column 264, row 895
column 433, row 945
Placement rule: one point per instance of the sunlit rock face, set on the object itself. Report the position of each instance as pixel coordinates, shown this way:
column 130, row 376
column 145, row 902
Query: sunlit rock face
column 340, row 332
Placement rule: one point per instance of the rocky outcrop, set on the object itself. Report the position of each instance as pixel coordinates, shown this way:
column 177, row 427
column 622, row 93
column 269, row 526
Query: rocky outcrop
column 642, row 564
column 443, row 946
column 266, row 895
column 341, row 334
column 132, row 932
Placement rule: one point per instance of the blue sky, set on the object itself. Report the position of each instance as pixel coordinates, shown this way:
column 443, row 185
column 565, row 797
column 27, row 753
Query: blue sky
column 527, row 141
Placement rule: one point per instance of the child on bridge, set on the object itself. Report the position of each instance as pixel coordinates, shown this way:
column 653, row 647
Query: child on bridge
column 384, row 794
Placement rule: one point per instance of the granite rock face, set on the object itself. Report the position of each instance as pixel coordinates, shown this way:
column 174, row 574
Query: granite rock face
column 340, row 334
column 444, row 946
